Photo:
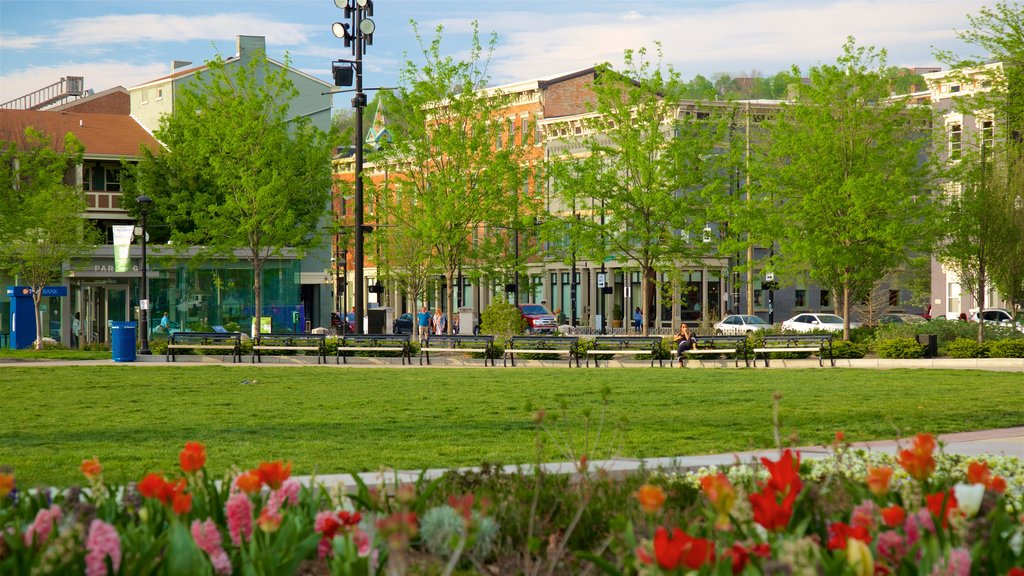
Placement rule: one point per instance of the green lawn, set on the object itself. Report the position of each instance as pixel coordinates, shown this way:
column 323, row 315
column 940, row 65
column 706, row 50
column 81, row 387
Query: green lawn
column 136, row 419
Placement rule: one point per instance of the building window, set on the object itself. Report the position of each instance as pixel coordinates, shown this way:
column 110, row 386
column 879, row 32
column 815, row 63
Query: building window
column 511, row 132
column 894, row 297
column 956, row 136
column 524, row 126
column 825, row 298
column 159, row 93
column 145, row 96
column 987, row 134
column 953, row 298
column 113, row 177
column 954, row 88
column 800, row 298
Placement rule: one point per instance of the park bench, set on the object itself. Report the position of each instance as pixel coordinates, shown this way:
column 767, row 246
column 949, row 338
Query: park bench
column 457, row 343
column 718, row 346
column 560, row 345
column 632, row 345
column 820, row 344
column 205, row 341
column 299, row 342
column 373, row 343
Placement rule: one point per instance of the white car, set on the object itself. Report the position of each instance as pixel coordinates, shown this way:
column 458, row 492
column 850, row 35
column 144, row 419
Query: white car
column 815, row 321
column 740, row 324
column 1000, row 316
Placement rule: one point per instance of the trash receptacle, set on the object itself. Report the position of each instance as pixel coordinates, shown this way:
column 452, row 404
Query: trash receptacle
column 930, row 343
column 122, row 341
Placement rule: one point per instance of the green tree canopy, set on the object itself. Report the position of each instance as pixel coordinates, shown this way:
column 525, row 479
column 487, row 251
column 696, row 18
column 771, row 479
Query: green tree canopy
column 451, row 178
column 42, row 223
column 841, row 181
column 640, row 173
column 240, row 172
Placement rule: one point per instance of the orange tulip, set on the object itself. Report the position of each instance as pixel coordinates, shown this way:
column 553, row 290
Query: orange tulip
column 193, row 457
column 91, row 468
column 651, row 498
column 6, row 484
column 722, row 496
column 248, row 482
column 918, row 460
column 274, row 473
column 878, row 480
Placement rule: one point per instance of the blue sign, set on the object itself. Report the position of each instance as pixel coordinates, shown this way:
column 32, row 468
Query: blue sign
column 57, row 291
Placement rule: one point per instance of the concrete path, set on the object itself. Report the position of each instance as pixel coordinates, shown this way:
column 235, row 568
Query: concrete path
column 1002, row 442
column 989, row 364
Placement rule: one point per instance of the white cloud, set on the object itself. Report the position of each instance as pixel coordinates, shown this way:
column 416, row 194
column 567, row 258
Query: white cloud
column 150, row 28
column 98, row 75
column 768, row 36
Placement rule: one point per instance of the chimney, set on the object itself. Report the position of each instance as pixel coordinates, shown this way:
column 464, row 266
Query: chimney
column 247, row 45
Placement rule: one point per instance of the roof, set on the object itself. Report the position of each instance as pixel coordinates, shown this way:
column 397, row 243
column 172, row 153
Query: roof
column 181, row 73
column 114, row 135
column 90, row 98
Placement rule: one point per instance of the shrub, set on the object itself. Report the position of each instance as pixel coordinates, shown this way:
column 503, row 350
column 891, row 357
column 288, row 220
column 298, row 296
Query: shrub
column 844, row 349
column 861, row 335
column 1013, row 348
column 966, row 348
column 503, row 320
column 899, row 348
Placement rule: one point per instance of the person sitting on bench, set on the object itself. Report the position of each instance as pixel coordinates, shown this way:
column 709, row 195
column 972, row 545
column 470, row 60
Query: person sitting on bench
column 686, row 341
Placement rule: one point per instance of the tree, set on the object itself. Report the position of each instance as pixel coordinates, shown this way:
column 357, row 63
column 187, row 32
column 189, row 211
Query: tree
column 450, row 180
column 644, row 165
column 239, row 172
column 41, row 222
column 841, row 183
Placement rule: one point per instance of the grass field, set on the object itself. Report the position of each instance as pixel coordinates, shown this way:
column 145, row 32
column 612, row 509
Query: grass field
column 135, row 418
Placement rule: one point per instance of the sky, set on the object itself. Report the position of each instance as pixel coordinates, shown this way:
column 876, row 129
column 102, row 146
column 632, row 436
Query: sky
column 119, row 42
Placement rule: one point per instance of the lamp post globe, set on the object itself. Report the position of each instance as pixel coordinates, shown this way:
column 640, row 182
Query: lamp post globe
column 144, row 202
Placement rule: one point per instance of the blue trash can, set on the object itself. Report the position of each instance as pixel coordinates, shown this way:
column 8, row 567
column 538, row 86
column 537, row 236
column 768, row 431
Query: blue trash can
column 122, row 341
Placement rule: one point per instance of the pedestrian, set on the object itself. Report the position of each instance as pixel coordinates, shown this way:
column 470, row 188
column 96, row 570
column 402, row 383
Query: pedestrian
column 76, row 329
column 165, row 323
column 560, row 317
column 440, row 322
column 686, row 341
column 638, row 320
column 423, row 322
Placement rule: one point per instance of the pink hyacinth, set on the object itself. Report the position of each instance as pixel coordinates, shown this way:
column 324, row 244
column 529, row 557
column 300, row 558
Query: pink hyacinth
column 239, row 513
column 891, row 546
column 208, row 538
column 958, row 564
column 921, row 520
column 865, row 515
column 39, row 531
column 289, row 491
column 101, row 542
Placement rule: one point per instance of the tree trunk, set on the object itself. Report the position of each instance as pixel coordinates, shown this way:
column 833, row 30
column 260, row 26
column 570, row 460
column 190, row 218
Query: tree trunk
column 981, row 300
column 257, row 289
column 846, row 310
column 450, row 288
column 645, row 288
column 37, row 296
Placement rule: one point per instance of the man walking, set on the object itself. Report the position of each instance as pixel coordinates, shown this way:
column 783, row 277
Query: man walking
column 423, row 323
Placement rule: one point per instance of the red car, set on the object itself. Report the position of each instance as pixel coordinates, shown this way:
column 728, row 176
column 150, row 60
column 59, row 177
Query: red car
column 538, row 317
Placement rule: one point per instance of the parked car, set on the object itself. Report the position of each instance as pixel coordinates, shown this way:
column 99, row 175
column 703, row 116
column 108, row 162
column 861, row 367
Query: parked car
column 404, row 324
column 900, row 318
column 538, row 318
column 740, row 324
column 815, row 321
column 999, row 316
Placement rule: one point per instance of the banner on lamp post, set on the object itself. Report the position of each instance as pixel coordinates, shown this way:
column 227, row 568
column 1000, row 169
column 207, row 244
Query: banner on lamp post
column 122, row 243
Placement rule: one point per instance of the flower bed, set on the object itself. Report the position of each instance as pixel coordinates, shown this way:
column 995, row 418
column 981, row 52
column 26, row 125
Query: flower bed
column 919, row 512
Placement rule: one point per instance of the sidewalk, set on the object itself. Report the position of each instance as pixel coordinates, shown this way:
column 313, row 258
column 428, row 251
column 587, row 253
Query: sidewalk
column 1002, row 442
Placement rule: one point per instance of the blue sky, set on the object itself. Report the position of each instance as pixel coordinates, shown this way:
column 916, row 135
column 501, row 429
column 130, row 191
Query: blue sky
column 119, row 42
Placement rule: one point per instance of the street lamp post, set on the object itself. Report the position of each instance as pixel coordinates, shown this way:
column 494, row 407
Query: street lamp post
column 144, row 203
column 357, row 34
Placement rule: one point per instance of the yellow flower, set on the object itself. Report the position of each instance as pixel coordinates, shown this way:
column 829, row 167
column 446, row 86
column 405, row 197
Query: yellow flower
column 858, row 556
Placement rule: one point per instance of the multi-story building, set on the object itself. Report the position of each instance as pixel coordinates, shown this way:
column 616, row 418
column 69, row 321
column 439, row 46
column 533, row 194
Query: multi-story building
column 959, row 130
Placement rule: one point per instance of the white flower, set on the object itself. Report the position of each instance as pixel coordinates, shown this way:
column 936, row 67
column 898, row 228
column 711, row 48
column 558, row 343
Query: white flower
column 968, row 498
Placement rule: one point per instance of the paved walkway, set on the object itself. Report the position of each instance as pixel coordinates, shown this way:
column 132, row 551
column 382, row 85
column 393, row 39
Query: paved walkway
column 1002, row 442
column 990, row 364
